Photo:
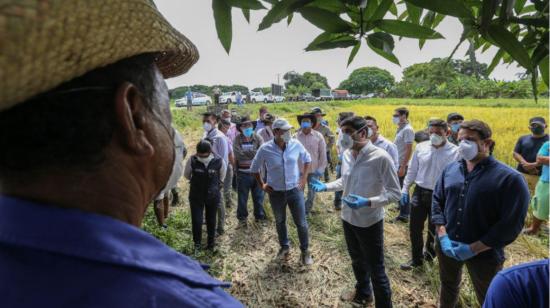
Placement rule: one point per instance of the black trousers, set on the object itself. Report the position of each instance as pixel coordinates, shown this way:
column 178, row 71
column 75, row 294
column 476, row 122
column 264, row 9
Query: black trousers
column 198, row 207
column 481, row 268
column 421, row 206
column 366, row 249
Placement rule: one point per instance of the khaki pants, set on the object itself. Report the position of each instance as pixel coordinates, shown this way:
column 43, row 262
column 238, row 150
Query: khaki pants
column 532, row 181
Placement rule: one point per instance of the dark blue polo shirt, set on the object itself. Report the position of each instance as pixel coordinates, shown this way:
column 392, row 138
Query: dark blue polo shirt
column 488, row 204
column 54, row 257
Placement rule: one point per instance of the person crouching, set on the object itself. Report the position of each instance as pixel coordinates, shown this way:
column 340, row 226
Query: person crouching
column 206, row 173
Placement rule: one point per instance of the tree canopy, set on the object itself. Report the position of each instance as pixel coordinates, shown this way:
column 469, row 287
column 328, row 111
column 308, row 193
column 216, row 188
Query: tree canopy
column 368, row 80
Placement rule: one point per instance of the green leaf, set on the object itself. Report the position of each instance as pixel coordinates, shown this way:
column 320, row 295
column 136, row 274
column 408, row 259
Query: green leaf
column 329, row 5
column 403, row 15
column 354, row 52
column 407, row 29
column 455, row 8
column 381, row 10
column 382, row 44
column 329, row 40
column 507, row 41
column 325, row 20
column 246, row 4
column 222, row 17
column 289, row 19
column 518, row 7
column 246, row 13
column 278, row 12
column 427, row 21
column 506, row 10
column 414, row 12
column 543, row 67
column 534, row 79
column 495, row 61
column 488, row 10
column 393, row 10
column 370, row 9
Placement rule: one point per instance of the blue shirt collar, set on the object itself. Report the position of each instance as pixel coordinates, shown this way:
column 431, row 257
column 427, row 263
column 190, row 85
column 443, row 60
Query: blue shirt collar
column 93, row 237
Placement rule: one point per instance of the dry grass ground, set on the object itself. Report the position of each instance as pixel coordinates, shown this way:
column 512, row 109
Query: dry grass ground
column 246, row 255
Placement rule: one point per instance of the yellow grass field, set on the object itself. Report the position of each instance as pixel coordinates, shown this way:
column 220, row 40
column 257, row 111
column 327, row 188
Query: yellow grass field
column 246, row 256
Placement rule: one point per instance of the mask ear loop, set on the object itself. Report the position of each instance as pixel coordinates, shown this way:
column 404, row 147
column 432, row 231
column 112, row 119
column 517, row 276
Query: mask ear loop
column 358, row 131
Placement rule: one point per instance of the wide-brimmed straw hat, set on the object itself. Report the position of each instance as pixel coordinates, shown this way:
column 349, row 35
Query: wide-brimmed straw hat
column 45, row 43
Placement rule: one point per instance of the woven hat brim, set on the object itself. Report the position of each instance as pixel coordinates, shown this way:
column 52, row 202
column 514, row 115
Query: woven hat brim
column 51, row 42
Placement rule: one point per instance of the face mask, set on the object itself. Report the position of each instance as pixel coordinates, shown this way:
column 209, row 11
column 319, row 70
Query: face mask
column 205, row 160
column 207, row 126
column 177, row 168
column 247, row 132
column 346, row 142
column 286, row 136
column 436, row 140
column 468, row 149
column 227, row 118
column 537, row 130
column 395, row 120
column 306, row 124
column 455, row 127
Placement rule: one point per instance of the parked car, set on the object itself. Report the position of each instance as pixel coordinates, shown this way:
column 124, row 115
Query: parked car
column 199, row 99
column 256, row 97
column 279, row 98
column 231, row 97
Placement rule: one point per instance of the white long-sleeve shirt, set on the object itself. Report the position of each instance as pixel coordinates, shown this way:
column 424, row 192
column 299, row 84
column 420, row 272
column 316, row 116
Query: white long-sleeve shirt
column 427, row 164
column 389, row 147
column 219, row 144
column 371, row 175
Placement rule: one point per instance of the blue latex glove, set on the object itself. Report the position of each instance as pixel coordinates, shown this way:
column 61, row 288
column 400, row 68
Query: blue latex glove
column 447, row 246
column 317, row 185
column 338, row 168
column 355, row 201
column 404, row 199
column 462, row 251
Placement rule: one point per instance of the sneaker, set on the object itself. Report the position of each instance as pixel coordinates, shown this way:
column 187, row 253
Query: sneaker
column 283, row 253
column 357, row 299
column 211, row 246
column 410, row 265
column 306, row 258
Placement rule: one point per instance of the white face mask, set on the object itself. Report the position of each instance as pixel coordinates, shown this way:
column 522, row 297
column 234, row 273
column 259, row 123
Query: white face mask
column 346, row 142
column 205, row 160
column 207, row 126
column 395, row 120
column 436, row 139
column 286, row 136
column 177, row 168
column 468, row 149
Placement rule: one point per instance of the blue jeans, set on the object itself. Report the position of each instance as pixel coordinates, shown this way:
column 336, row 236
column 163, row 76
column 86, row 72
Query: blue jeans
column 310, row 192
column 246, row 183
column 294, row 198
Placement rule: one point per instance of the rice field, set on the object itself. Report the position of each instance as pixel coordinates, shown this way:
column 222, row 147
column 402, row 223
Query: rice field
column 246, row 256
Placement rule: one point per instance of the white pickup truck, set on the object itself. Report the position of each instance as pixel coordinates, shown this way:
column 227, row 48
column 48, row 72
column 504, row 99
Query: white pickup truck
column 231, row 97
column 256, row 97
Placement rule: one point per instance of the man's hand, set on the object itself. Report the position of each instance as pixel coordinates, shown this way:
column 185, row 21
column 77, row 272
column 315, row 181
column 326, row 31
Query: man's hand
column 404, row 199
column 402, row 171
column 317, row 186
column 462, row 251
column 356, row 201
column 529, row 166
column 268, row 189
column 303, row 182
column 446, row 246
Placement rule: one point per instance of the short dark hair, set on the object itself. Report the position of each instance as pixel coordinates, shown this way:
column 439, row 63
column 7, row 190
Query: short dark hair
column 355, row 122
column 480, row 127
column 222, row 123
column 344, row 115
column 369, row 118
column 403, row 111
column 204, row 146
column 263, row 109
column 70, row 126
column 438, row 123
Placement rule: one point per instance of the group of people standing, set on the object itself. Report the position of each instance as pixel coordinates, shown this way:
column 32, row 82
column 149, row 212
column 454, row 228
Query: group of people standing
column 473, row 204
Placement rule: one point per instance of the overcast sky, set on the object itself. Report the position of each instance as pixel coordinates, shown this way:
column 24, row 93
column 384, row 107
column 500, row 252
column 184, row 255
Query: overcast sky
column 256, row 58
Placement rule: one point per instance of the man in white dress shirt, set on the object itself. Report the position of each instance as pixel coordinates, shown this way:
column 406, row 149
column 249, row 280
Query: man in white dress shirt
column 378, row 140
column 369, row 182
column 426, row 166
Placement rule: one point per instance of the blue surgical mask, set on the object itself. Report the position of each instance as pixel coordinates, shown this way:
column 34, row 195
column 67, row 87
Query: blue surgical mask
column 247, row 132
column 455, row 127
column 306, row 124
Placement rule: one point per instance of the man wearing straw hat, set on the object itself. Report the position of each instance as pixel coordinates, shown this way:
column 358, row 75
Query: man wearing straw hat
column 87, row 144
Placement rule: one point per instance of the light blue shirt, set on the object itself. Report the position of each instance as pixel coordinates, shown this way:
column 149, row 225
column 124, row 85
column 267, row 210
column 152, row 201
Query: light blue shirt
column 283, row 171
column 545, row 172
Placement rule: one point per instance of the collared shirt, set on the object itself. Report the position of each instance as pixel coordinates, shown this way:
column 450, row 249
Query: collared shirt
column 259, row 124
column 544, row 151
column 427, row 164
column 327, row 134
column 314, row 142
column 371, row 175
column 266, row 133
column 452, row 139
column 403, row 137
column 389, row 147
column 488, row 204
column 282, row 166
column 232, row 132
column 69, row 258
column 219, row 144
column 245, row 151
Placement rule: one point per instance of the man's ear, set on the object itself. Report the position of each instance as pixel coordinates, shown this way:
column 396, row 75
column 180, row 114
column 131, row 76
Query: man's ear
column 132, row 120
